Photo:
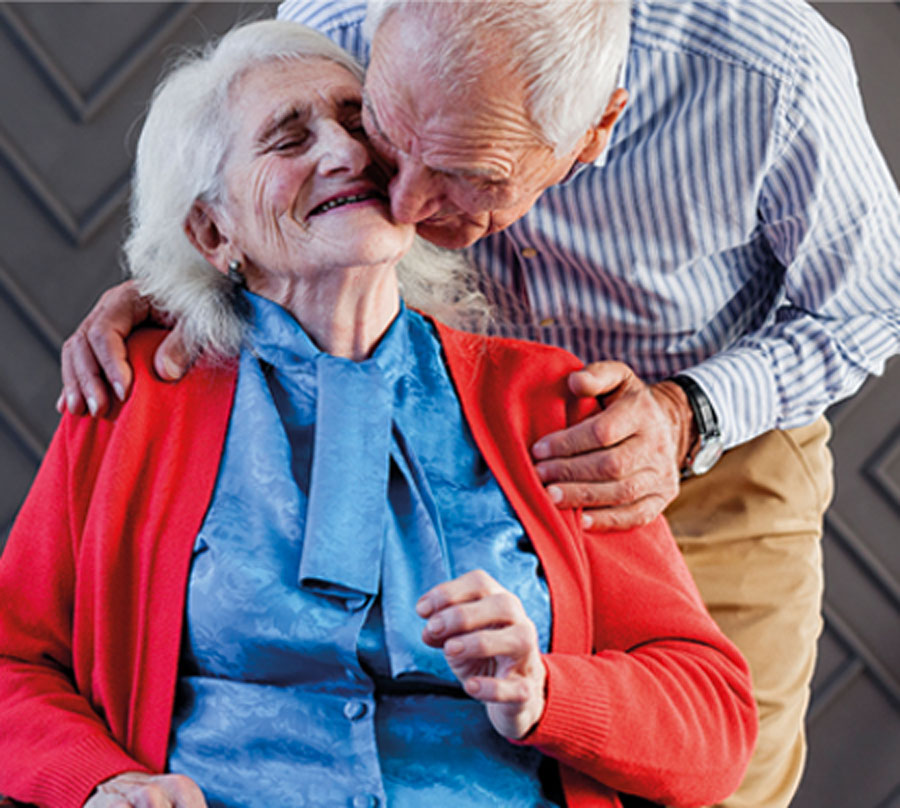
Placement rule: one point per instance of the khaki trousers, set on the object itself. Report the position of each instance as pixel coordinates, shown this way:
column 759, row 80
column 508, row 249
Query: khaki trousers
column 750, row 532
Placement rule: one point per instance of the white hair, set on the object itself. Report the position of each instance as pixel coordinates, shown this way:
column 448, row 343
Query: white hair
column 180, row 160
column 569, row 52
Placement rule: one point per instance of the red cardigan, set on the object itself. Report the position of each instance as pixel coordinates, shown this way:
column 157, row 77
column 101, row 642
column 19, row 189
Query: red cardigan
column 645, row 695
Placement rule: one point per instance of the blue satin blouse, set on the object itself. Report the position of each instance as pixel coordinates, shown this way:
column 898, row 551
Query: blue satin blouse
column 346, row 490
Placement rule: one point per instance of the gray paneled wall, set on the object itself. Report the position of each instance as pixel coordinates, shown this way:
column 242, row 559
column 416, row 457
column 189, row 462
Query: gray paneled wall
column 74, row 78
column 854, row 719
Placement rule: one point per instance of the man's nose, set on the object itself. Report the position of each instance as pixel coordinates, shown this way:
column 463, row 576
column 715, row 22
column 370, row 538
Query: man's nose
column 415, row 192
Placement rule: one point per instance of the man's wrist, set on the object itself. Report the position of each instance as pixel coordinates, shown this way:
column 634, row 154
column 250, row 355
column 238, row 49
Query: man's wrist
column 674, row 401
column 706, row 446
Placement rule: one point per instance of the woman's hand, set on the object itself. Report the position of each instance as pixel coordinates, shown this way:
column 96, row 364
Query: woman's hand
column 139, row 790
column 491, row 646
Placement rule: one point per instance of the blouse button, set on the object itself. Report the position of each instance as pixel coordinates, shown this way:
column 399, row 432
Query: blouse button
column 354, row 710
column 365, row 801
column 529, row 252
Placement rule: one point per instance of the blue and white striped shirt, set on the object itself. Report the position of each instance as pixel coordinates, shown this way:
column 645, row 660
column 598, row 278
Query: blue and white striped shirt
column 741, row 226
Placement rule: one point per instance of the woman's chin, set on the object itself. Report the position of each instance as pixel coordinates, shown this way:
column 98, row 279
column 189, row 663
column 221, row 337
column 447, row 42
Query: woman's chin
column 371, row 240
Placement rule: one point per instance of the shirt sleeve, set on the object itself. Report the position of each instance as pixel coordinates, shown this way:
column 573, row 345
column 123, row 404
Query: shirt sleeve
column 830, row 212
column 340, row 20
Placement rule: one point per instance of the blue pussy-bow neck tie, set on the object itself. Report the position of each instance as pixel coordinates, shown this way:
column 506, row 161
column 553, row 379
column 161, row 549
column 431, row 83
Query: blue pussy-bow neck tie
column 371, row 523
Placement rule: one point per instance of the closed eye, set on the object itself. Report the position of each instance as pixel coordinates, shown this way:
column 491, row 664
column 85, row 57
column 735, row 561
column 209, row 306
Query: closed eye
column 289, row 144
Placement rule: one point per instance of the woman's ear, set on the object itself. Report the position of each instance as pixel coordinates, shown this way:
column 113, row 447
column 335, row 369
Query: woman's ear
column 598, row 136
column 204, row 233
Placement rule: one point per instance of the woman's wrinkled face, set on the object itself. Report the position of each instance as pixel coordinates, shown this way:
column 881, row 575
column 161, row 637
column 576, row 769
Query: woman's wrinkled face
column 303, row 193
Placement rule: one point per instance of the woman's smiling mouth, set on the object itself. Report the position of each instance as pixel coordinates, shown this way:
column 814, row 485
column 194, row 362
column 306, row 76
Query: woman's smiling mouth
column 340, row 201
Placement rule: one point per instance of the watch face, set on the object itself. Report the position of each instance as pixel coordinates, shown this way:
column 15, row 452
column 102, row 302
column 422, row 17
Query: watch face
column 707, row 456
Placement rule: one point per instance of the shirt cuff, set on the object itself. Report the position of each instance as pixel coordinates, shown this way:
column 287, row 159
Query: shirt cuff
column 742, row 389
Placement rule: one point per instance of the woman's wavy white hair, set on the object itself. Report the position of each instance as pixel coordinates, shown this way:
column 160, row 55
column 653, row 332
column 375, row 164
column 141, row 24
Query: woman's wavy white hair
column 569, row 52
column 180, row 159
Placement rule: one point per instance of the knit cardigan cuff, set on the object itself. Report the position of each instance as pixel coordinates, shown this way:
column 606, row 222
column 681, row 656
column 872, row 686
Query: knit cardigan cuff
column 79, row 769
column 575, row 724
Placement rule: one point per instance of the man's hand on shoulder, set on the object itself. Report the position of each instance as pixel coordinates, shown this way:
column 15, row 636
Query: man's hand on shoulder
column 95, row 359
column 621, row 465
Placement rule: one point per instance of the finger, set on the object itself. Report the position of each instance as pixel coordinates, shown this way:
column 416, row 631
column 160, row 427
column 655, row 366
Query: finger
column 602, row 466
column 517, row 642
column 74, row 402
column 172, row 359
column 118, row 311
column 137, row 795
column 110, row 357
column 70, row 394
column 183, row 791
column 615, row 494
column 624, row 517
column 150, row 797
column 605, row 429
column 88, row 375
column 155, row 791
column 600, row 379
column 104, row 800
column 496, row 610
column 469, row 586
column 495, row 690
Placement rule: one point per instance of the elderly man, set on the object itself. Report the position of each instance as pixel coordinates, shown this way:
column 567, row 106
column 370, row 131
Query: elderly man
column 730, row 235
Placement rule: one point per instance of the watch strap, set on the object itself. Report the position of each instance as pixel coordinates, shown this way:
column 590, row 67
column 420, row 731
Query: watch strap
column 706, row 421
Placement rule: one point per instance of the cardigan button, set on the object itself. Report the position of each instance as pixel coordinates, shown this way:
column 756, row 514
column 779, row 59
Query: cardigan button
column 365, row 801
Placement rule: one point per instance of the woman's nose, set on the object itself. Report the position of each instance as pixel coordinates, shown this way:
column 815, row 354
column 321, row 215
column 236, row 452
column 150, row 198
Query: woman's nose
column 415, row 191
column 341, row 151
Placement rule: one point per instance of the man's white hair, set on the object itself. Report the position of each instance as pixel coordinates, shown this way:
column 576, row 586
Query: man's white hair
column 180, row 159
column 569, row 52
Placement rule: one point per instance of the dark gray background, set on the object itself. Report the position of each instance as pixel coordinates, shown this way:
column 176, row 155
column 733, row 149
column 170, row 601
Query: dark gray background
column 74, row 79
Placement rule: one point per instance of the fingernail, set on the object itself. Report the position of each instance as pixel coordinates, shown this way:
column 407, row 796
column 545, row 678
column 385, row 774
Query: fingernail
column 586, row 520
column 473, row 687
column 541, row 449
column 435, row 625
column 453, row 646
column 423, row 607
column 170, row 369
column 119, row 390
column 92, row 404
column 72, row 402
column 60, row 402
column 555, row 493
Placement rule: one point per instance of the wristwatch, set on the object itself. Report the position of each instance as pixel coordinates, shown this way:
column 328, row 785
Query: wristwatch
column 707, row 449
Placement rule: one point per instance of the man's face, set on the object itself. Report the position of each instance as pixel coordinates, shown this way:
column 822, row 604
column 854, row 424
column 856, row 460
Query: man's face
column 469, row 162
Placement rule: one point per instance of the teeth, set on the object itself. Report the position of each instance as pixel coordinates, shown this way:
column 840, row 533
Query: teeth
column 341, row 200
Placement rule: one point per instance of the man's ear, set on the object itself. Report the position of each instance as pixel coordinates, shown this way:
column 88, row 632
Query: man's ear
column 204, row 233
column 598, row 136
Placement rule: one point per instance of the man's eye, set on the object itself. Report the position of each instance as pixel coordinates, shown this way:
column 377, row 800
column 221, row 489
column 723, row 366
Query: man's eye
column 486, row 185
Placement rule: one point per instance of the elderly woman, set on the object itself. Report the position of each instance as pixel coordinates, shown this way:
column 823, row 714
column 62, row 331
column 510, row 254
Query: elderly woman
column 322, row 570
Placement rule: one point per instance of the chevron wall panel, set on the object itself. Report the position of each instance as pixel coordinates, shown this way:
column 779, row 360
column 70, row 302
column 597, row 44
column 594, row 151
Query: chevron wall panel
column 74, row 79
